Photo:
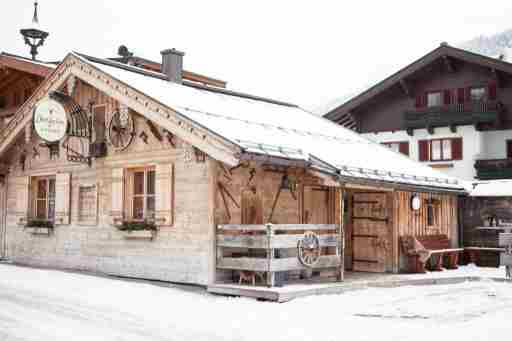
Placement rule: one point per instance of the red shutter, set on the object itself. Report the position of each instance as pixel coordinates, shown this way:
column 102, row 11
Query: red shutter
column 447, row 97
column 419, row 101
column 404, row 148
column 460, row 95
column 423, row 150
column 457, row 148
column 491, row 90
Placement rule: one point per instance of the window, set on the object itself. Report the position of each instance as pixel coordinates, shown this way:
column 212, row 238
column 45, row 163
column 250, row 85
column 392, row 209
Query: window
column 87, row 204
column 399, row 147
column 43, row 191
column 509, row 149
column 141, row 193
column 477, row 93
column 434, row 99
column 440, row 149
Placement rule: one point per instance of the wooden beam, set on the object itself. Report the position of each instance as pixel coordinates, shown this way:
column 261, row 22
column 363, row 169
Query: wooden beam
column 25, row 66
column 13, row 78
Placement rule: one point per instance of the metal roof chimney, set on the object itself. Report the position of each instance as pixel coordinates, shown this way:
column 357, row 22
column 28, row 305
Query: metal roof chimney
column 172, row 64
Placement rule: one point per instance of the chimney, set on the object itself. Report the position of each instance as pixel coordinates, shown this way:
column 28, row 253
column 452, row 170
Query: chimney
column 172, row 64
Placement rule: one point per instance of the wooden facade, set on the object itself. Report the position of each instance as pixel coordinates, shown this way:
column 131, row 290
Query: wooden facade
column 209, row 210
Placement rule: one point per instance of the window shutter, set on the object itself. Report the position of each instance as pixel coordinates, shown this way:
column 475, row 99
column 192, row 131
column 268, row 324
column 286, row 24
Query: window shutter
column 418, row 101
column 423, row 150
column 117, row 195
column 460, row 95
column 22, row 197
column 404, row 148
column 491, row 90
column 457, row 149
column 447, row 97
column 62, row 198
column 164, row 187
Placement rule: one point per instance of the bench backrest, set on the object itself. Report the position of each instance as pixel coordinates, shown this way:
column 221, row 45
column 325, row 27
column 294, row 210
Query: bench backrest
column 435, row 242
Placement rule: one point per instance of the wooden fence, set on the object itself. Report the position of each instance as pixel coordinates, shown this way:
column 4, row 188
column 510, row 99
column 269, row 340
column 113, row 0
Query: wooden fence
column 276, row 244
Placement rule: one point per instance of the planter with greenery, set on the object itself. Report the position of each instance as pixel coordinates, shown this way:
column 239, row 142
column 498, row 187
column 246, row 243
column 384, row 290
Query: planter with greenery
column 39, row 226
column 138, row 229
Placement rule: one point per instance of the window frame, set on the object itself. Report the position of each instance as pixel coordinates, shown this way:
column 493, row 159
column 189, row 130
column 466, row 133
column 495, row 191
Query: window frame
column 130, row 195
column 432, row 92
column 35, row 199
column 441, row 146
column 475, row 87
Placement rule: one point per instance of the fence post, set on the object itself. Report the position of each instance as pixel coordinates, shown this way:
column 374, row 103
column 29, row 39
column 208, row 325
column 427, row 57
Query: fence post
column 270, row 256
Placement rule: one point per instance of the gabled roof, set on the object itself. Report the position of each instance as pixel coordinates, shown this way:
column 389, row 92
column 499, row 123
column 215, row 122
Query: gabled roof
column 443, row 50
column 23, row 64
column 249, row 127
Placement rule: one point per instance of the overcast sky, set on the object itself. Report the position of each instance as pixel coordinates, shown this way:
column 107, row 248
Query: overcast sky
column 306, row 52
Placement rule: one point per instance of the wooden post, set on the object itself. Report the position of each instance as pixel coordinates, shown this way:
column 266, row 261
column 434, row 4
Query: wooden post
column 341, row 235
column 270, row 256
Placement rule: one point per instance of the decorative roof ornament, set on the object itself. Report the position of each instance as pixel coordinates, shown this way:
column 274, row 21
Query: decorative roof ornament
column 33, row 36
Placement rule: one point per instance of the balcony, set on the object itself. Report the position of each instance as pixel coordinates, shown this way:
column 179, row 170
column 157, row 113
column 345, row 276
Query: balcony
column 452, row 115
column 493, row 169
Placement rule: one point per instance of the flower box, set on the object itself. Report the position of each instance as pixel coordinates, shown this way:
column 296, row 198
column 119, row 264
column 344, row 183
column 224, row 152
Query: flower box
column 36, row 226
column 137, row 229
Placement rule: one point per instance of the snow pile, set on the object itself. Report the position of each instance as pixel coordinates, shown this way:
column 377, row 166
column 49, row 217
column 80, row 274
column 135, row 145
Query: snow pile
column 53, row 305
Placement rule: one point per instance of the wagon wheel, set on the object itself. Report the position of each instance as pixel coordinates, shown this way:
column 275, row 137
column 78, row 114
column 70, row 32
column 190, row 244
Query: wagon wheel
column 121, row 131
column 309, row 249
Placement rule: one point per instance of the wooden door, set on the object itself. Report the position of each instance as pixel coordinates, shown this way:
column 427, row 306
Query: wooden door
column 316, row 205
column 370, row 232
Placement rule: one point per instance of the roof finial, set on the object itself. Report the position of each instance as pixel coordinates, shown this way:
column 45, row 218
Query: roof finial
column 35, row 19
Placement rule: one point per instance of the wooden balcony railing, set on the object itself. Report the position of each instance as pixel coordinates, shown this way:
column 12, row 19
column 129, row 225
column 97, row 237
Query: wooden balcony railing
column 493, row 169
column 271, row 249
column 467, row 113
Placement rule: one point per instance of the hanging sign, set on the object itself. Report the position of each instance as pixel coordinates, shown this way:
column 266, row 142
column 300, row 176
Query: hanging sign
column 50, row 120
column 415, row 203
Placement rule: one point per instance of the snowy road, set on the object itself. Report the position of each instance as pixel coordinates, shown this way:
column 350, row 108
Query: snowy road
column 52, row 305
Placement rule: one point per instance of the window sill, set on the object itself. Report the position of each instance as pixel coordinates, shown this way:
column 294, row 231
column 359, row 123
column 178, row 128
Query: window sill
column 139, row 234
column 441, row 165
column 47, row 231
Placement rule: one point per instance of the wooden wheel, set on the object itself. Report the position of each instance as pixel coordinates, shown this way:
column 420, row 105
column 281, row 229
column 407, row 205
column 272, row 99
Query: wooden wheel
column 121, row 130
column 309, row 249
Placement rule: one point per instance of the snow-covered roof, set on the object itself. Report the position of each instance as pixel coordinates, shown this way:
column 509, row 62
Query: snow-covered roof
column 281, row 130
column 492, row 188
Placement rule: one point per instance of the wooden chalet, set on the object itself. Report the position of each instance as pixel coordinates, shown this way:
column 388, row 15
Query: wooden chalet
column 140, row 172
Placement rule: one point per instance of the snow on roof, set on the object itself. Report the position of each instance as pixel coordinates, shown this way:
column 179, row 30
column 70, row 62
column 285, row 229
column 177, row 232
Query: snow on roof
column 492, row 188
column 284, row 131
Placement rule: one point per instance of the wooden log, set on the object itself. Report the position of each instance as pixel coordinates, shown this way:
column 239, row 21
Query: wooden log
column 277, row 227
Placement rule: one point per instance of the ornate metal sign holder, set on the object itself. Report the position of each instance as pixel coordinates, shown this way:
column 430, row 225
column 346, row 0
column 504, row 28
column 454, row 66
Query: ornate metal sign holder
column 79, row 126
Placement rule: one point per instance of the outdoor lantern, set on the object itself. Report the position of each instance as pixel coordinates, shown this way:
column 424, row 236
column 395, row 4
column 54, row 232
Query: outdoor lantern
column 34, row 36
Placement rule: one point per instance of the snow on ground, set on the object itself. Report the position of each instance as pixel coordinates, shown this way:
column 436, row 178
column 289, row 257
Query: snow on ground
column 52, row 305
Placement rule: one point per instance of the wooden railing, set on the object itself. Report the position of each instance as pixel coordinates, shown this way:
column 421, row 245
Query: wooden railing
column 489, row 169
column 278, row 248
column 467, row 113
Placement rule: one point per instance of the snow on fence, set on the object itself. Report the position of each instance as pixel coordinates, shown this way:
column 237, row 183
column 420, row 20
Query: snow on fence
column 271, row 249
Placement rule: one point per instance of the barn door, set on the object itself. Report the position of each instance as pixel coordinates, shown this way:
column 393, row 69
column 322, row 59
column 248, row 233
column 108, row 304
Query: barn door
column 316, row 205
column 371, row 235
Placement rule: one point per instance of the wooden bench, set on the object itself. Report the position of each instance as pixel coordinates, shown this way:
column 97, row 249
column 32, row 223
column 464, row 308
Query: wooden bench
column 438, row 247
